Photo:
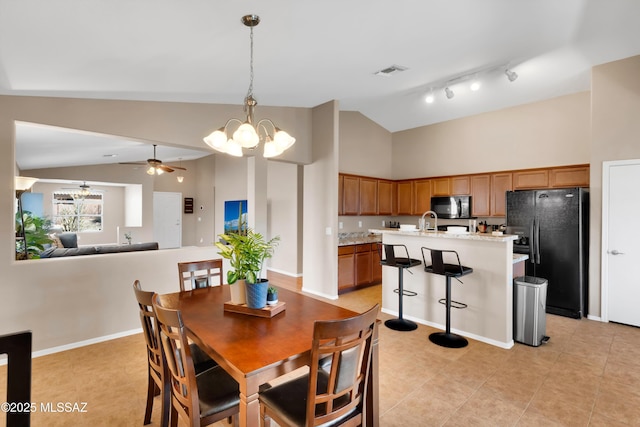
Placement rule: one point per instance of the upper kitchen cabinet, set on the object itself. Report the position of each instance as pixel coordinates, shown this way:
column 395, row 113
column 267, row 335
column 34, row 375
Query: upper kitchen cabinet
column 460, row 185
column 385, row 197
column 422, row 196
column 368, row 196
column 405, row 198
column 500, row 184
column 441, row 186
column 531, row 179
column 480, row 195
column 577, row 176
column 350, row 195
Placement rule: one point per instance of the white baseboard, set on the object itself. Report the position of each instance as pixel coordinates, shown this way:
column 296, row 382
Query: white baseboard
column 319, row 294
column 286, row 273
column 596, row 318
column 52, row 350
column 505, row 345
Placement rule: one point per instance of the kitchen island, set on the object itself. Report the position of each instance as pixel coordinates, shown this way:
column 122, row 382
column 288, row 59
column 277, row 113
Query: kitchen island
column 488, row 291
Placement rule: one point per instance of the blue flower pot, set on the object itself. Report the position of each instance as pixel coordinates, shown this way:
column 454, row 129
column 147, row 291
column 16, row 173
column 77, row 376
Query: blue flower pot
column 257, row 294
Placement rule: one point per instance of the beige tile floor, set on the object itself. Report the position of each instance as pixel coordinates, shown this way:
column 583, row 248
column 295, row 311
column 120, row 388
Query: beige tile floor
column 587, row 375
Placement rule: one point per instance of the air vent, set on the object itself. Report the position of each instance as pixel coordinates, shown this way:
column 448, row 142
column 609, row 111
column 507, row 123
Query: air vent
column 393, row 69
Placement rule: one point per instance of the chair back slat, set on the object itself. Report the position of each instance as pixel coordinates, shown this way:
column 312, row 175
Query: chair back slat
column 200, row 274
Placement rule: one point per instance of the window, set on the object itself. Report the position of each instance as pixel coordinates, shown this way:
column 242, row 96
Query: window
column 74, row 211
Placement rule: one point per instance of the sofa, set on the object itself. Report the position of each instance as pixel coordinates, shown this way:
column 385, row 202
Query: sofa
column 66, row 244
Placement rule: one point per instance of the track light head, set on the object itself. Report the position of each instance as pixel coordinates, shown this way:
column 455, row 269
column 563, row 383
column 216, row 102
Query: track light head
column 449, row 93
column 511, row 75
column 429, row 98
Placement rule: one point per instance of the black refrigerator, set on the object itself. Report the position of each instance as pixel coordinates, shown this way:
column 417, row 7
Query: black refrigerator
column 553, row 228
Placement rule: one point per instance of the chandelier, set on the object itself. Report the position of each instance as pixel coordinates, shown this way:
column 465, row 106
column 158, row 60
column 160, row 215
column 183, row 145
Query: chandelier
column 249, row 133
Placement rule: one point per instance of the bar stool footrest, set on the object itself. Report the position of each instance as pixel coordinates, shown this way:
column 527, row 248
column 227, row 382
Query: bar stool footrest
column 405, row 292
column 454, row 304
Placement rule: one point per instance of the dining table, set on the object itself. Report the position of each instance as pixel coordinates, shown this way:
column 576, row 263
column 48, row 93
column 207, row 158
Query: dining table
column 255, row 350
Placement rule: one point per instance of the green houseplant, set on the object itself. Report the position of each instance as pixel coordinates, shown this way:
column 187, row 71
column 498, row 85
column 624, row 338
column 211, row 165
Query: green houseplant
column 36, row 232
column 247, row 253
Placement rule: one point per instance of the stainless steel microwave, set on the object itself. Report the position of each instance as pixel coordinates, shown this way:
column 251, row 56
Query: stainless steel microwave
column 452, row 207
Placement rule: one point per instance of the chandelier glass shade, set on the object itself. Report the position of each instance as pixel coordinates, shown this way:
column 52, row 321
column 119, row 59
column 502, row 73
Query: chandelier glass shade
column 249, row 133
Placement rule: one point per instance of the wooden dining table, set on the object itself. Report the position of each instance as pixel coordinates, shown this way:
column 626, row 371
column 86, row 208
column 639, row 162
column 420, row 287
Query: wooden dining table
column 255, row 350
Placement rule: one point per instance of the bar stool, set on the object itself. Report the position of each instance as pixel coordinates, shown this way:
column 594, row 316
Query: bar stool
column 446, row 339
column 401, row 263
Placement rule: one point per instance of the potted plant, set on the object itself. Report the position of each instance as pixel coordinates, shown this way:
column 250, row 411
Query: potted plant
column 272, row 296
column 36, row 233
column 247, row 253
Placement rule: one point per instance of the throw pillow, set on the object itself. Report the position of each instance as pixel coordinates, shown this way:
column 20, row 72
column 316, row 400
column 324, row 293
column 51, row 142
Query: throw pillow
column 69, row 240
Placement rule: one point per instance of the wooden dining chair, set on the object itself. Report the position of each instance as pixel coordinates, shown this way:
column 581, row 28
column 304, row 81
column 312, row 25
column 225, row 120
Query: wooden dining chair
column 199, row 274
column 156, row 383
column 332, row 393
column 201, row 399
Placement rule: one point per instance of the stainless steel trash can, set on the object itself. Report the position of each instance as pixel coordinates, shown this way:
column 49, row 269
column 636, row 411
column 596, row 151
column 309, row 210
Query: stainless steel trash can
column 529, row 316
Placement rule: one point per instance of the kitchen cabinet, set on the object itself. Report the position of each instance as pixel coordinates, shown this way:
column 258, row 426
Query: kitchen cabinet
column 350, row 195
column 385, row 197
column 368, row 196
column 422, row 196
column 480, row 195
column 346, row 272
column 363, row 264
column 460, row 185
column 405, row 198
column 500, row 184
column 358, row 266
column 441, row 186
column 569, row 177
column 340, row 194
column 531, row 179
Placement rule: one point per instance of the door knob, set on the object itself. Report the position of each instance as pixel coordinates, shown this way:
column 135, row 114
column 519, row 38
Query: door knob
column 615, row 252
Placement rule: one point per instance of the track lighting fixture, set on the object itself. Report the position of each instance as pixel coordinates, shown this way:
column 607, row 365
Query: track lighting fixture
column 511, row 75
column 449, row 93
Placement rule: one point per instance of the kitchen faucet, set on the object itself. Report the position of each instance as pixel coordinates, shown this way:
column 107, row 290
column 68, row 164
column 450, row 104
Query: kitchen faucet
column 435, row 222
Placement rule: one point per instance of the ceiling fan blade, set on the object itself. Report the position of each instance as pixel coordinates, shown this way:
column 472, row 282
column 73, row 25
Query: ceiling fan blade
column 176, row 167
column 165, row 168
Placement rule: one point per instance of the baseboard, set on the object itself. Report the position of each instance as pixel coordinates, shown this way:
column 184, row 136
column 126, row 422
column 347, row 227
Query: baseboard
column 320, row 294
column 284, row 279
column 52, row 350
column 596, row 318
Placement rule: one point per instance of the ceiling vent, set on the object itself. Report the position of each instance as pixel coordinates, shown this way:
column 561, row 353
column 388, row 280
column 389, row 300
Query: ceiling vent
column 393, row 69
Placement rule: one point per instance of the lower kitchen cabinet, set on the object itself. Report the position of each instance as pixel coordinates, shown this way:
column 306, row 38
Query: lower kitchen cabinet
column 358, row 266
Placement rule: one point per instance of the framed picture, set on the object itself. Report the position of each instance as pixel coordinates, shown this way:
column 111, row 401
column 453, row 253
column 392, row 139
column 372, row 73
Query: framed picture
column 235, row 216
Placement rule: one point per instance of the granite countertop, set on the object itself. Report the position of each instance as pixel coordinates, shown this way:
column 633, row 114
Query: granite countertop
column 345, row 239
column 443, row 234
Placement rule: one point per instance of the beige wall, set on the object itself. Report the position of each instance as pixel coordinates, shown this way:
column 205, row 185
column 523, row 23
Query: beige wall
column 546, row 133
column 64, row 301
column 320, row 261
column 615, row 95
column 365, row 147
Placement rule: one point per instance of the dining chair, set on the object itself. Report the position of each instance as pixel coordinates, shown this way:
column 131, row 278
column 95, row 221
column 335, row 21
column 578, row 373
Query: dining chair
column 197, row 399
column 332, row 393
column 157, row 382
column 199, row 274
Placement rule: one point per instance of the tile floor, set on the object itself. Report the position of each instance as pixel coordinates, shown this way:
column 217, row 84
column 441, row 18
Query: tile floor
column 587, row 375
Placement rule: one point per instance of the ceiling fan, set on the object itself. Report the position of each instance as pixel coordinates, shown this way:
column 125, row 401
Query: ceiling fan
column 83, row 189
column 155, row 166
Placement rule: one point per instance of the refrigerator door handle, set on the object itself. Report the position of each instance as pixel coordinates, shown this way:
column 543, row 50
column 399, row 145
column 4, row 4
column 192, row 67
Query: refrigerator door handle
column 532, row 257
column 536, row 226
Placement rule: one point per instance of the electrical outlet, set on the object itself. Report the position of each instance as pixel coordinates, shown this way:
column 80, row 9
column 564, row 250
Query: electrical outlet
column 327, row 231
column 360, row 224
column 340, row 225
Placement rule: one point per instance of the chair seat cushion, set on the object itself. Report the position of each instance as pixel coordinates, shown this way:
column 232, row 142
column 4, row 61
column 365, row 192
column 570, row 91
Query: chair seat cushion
column 403, row 263
column 201, row 360
column 289, row 400
column 217, row 390
column 452, row 270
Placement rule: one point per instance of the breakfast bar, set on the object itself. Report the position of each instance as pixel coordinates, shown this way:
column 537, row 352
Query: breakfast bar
column 487, row 292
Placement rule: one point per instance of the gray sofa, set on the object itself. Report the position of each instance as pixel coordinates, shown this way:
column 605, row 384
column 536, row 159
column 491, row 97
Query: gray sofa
column 70, row 243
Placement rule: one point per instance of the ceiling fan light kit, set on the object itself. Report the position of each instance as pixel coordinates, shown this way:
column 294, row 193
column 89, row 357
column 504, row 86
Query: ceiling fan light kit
column 249, row 134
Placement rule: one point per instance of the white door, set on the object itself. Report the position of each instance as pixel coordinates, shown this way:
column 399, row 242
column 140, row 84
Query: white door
column 167, row 219
column 621, row 241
